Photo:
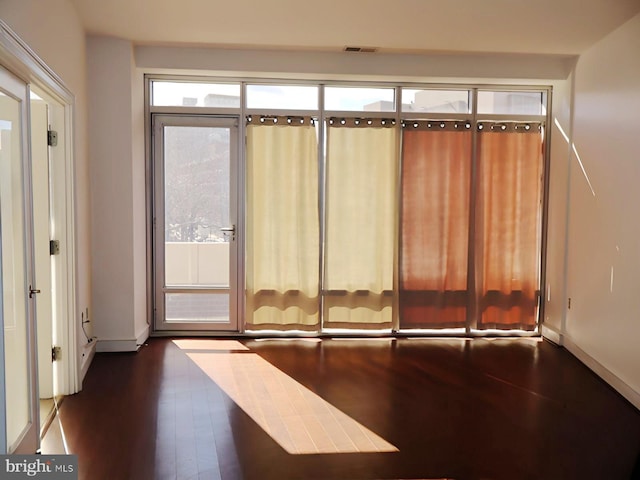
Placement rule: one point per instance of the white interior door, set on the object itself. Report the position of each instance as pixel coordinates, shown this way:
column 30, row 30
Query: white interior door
column 17, row 308
column 195, row 222
column 40, row 178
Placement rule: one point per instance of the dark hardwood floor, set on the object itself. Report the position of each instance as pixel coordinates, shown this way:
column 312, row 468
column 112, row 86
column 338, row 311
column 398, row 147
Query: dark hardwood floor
column 452, row 408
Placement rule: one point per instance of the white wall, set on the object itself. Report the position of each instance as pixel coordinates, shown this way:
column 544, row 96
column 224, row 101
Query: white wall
column 328, row 65
column 56, row 35
column 117, row 187
column 142, row 301
column 603, row 326
column 555, row 279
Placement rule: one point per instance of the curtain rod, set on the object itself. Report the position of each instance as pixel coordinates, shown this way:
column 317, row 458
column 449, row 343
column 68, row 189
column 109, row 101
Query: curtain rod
column 520, row 127
column 280, row 120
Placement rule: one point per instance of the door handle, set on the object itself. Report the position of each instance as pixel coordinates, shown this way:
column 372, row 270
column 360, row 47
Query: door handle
column 32, row 291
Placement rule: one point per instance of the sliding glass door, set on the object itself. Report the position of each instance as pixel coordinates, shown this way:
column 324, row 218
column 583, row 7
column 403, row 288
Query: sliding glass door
column 195, row 222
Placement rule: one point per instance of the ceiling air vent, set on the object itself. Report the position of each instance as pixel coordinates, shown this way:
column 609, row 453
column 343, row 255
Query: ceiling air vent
column 361, row 49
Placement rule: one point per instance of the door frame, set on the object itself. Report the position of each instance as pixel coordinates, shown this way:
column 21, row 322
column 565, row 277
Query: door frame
column 158, row 121
column 18, row 58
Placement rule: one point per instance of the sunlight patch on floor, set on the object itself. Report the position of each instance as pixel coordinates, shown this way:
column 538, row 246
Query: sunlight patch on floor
column 204, row 344
column 300, row 421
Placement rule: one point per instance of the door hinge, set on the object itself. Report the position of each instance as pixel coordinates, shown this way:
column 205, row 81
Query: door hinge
column 56, row 353
column 54, row 247
column 52, row 138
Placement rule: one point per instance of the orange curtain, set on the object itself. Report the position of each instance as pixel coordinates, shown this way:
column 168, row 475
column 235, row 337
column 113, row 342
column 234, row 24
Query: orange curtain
column 436, row 170
column 508, row 226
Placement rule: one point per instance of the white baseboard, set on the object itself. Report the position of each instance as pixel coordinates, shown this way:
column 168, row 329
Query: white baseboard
column 142, row 335
column 128, row 345
column 131, row 345
column 603, row 372
column 88, row 352
column 553, row 335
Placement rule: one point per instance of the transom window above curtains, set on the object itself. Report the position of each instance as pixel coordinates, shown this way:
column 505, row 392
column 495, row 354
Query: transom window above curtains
column 283, row 225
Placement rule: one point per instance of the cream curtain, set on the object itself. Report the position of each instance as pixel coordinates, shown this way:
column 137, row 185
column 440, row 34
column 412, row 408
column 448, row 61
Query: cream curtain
column 436, row 175
column 282, row 237
column 508, row 220
column 360, row 224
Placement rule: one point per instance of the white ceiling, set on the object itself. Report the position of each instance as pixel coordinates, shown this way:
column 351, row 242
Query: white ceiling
column 409, row 26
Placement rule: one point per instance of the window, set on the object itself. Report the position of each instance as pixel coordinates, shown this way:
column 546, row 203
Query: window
column 362, row 165
column 194, row 94
column 285, row 97
column 367, row 210
column 512, row 103
column 435, row 101
column 358, row 99
column 283, row 224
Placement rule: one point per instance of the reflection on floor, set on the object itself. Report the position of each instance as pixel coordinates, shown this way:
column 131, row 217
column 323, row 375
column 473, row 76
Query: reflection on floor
column 52, row 441
column 46, row 412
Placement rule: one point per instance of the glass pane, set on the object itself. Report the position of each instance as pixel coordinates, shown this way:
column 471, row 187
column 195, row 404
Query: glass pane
column 508, row 211
column 197, row 169
column 282, row 241
column 436, row 173
column 197, row 307
column 512, row 103
column 14, row 311
column 359, row 99
column 359, row 241
column 282, row 97
column 191, row 94
column 435, row 101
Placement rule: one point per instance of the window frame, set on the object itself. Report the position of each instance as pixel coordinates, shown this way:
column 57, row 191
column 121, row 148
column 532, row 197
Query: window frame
column 322, row 115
